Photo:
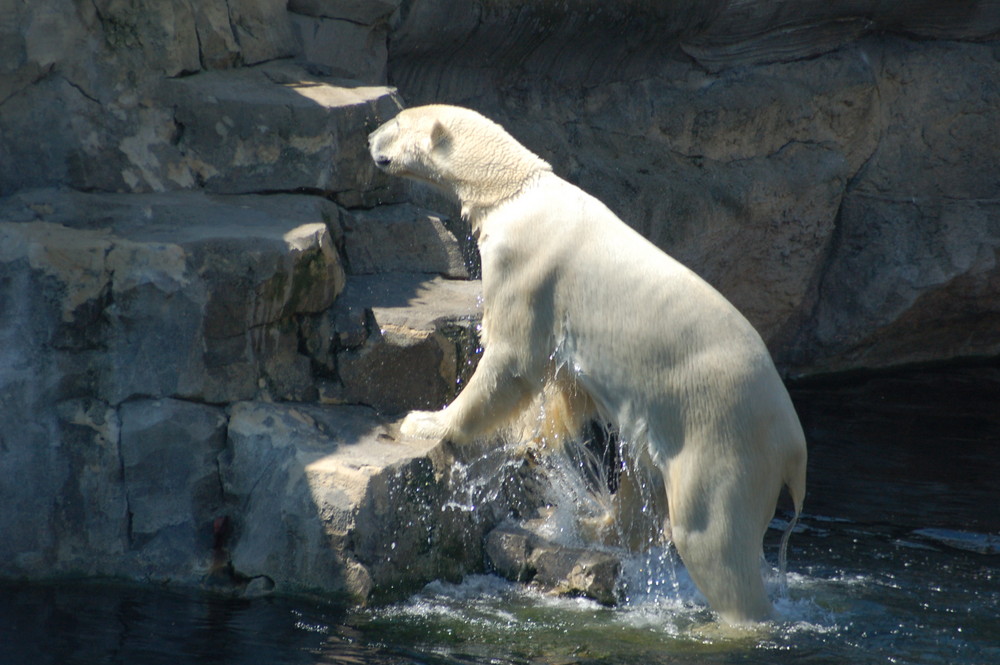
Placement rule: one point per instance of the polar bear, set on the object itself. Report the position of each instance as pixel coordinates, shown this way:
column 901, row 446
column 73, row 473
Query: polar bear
column 577, row 303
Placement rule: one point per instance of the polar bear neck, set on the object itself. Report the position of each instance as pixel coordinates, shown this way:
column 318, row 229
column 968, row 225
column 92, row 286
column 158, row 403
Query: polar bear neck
column 478, row 203
column 486, row 166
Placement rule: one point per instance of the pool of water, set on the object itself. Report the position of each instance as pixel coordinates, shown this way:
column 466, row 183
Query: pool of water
column 897, row 560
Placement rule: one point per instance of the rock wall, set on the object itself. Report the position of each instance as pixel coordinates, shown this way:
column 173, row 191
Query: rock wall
column 212, row 306
column 829, row 166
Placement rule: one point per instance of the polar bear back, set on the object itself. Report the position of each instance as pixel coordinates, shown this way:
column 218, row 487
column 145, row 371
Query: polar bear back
column 694, row 356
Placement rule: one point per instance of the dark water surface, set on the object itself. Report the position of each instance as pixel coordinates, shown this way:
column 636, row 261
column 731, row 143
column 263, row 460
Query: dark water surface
column 897, row 561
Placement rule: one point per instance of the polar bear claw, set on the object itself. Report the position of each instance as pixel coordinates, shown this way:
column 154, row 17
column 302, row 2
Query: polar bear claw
column 423, row 425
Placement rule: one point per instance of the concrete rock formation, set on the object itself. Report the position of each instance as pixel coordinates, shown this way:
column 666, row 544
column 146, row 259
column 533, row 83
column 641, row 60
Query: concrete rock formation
column 829, row 166
column 213, row 306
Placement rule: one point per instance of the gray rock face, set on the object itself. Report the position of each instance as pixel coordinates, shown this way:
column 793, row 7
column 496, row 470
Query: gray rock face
column 521, row 555
column 343, row 47
column 212, row 306
column 131, row 321
column 830, row 175
column 103, row 99
column 76, row 81
column 912, row 274
column 270, row 128
column 173, row 294
column 401, row 238
column 175, row 354
column 420, row 343
column 169, row 450
column 452, row 44
column 331, row 500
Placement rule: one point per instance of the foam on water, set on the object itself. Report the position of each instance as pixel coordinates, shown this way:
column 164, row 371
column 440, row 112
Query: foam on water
column 662, row 610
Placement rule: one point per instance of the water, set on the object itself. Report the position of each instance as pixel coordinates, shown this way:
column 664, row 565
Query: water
column 893, row 562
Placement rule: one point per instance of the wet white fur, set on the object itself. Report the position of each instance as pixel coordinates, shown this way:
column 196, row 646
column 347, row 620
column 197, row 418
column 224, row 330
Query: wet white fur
column 572, row 296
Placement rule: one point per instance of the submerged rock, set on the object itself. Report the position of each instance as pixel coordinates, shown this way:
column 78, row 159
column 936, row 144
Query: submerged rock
column 981, row 543
column 521, row 555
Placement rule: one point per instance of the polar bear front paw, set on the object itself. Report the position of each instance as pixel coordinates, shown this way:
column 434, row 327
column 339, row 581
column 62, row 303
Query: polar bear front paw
column 424, row 425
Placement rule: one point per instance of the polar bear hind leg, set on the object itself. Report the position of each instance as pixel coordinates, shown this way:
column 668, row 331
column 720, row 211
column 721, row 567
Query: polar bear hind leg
column 717, row 529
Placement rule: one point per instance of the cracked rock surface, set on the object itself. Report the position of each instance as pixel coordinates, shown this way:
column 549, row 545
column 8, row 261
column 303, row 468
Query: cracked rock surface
column 213, row 308
column 829, row 166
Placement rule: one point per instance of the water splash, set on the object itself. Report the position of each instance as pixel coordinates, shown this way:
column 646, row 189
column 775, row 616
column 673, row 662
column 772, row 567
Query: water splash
column 474, row 482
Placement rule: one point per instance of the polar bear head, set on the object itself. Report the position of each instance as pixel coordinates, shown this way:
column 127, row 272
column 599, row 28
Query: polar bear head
column 458, row 150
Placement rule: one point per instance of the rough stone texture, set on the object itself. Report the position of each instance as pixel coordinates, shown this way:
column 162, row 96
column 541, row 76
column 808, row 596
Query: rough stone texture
column 401, row 238
column 346, row 48
column 364, row 12
column 331, row 501
column 169, row 450
column 445, row 44
column 76, row 78
column 417, row 344
column 109, row 105
column 188, row 367
column 521, row 555
column 269, row 128
column 131, row 320
column 912, row 271
column 172, row 294
column 107, row 299
column 771, row 146
column 148, row 324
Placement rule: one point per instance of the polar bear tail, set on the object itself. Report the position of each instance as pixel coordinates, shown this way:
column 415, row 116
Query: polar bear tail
column 783, row 556
column 795, row 481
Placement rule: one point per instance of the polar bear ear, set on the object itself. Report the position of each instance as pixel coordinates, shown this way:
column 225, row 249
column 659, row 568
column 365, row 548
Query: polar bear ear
column 438, row 138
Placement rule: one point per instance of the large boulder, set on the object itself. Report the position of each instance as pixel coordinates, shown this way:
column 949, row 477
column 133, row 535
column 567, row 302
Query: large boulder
column 410, row 343
column 145, row 337
column 171, row 295
column 827, row 171
column 329, row 500
column 519, row 553
column 76, row 79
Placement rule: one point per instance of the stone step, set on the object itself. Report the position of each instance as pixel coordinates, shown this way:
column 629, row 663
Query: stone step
column 401, row 238
column 273, row 127
column 165, row 356
column 407, row 341
column 176, row 294
column 277, row 126
column 330, row 500
column 226, row 298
